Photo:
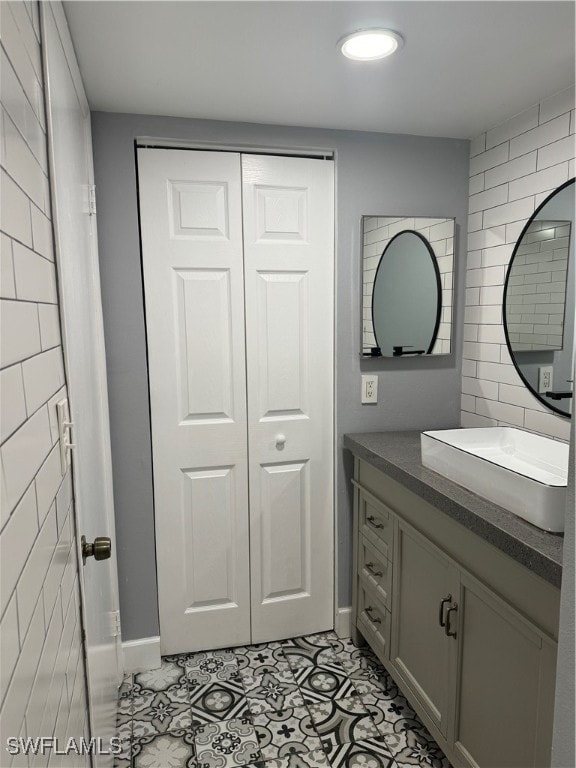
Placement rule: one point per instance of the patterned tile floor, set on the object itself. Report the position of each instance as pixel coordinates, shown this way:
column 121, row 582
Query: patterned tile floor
column 309, row 702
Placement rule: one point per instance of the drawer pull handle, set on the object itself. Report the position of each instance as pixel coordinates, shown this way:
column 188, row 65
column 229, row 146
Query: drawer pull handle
column 441, row 617
column 372, row 568
column 373, row 619
column 372, row 520
column 452, row 609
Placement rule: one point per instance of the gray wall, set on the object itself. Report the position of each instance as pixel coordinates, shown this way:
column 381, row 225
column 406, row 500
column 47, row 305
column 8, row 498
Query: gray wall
column 375, row 173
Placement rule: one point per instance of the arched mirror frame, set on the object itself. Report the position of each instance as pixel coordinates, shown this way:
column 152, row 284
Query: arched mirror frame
column 438, row 282
column 525, row 381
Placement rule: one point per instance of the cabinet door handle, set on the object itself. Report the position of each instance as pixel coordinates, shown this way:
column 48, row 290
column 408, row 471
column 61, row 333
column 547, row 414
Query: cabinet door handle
column 372, row 568
column 372, row 520
column 441, row 617
column 452, row 609
column 374, row 620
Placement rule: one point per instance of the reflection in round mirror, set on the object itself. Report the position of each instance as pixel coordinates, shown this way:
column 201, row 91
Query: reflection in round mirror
column 539, row 306
column 406, row 300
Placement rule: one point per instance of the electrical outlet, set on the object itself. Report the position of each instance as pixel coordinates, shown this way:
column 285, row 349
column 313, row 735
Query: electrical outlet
column 369, row 389
column 545, row 383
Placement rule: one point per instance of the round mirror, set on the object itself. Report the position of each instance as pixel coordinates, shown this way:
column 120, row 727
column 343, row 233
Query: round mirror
column 539, row 301
column 406, row 300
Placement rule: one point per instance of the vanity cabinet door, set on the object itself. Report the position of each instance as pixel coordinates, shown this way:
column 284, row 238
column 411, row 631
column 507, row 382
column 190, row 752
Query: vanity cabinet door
column 422, row 654
column 505, row 684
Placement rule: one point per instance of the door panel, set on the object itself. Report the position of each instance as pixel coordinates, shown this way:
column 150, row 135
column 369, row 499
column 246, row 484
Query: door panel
column 191, row 229
column 288, row 259
column 70, row 145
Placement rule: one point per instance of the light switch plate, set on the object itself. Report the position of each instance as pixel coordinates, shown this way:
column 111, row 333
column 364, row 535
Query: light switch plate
column 545, row 381
column 369, row 389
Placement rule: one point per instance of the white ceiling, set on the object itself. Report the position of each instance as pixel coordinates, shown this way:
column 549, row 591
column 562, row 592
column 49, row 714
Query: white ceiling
column 465, row 67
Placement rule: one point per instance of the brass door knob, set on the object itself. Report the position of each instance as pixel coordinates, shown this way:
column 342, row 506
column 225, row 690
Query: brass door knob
column 101, row 549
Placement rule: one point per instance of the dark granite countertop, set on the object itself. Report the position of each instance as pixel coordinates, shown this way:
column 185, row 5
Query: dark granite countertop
column 398, row 455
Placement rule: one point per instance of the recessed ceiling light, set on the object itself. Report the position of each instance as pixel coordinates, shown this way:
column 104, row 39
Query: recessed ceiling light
column 370, row 44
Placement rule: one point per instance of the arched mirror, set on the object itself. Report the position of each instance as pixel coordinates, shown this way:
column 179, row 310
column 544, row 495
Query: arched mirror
column 539, row 301
column 407, row 281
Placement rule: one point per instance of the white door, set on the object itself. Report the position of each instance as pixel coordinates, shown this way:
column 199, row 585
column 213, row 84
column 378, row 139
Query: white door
column 70, row 146
column 227, row 576
column 191, row 227
column 289, row 279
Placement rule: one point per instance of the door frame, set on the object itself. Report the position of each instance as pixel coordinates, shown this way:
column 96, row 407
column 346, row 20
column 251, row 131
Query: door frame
column 69, row 324
column 342, row 616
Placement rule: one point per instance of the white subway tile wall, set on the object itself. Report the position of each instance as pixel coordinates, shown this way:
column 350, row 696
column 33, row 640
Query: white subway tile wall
column 513, row 168
column 377, row 233
column 42, row 689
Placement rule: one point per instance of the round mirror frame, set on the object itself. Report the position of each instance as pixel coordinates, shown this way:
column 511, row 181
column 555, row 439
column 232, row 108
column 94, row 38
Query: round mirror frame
column 528, row 386
column 438, row 283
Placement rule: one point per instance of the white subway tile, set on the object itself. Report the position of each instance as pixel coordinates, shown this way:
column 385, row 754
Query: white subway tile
column 476, row 184
column 470, row 332
column 491, row 334
column 21, row 164
column 35, row 276
column 16, row 542
column 513, row 231
column 43, row 376
column 468, row 403
column 478, row 145
column 544, row 180
column 469, row 368
column 480, row 388
column 548, row 424
column 558, row 152
column 19, row 331
column 14, row 208
column 513, row 127
column 520, row 396
column 9, row 647
column 18, row 56
column 489, row 159
column 23, row 454
column 538, row 137
column 472, row 296
column 476, row 351
column 485, row 276
column 49, row 318
column 18, row 108
column 497, row 256
column 483, row 314
column 488, row 199
column 473, row 420
column 474, row 222
column 12, row 402
column 514, row 169
column 7, row 286
column 556, row 105
column 502, row 412
column 57, row 566
column 474, row 260
column 29, row 586
column 506, row 374
column 505, row 214
column 48, row 481
column 487, row 238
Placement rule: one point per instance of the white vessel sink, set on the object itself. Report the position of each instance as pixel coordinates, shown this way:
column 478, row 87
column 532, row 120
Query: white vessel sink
column 524, row 473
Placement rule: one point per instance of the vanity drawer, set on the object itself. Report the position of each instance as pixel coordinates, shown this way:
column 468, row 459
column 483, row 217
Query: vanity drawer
column 375, row 570
column 373, row 620
column 375, row 522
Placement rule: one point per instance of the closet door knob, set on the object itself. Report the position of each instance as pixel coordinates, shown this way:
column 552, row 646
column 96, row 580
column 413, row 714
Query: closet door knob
column 280, row 442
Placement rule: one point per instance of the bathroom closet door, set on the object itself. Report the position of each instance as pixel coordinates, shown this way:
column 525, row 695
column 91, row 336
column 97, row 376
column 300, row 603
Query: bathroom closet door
column 289, row 282
column 191, row 228
column 238, row 269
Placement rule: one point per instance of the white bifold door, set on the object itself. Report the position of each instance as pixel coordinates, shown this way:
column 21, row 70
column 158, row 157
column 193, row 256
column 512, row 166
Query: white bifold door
column 238, row 261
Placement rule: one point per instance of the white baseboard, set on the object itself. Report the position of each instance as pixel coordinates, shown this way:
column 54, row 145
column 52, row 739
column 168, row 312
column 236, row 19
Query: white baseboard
column 141, row 655
column 343, row 626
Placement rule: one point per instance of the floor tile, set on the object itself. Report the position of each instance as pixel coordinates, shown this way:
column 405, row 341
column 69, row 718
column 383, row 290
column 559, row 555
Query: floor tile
column 309, row 651
column 168, row 675
column 161, row 712
column 372, row 753
column 367, row 675
column 123, row 759
column 125, row 690
column 124, row 718
column 316, row 759
column 211, row 666
column 254, row 660
column 341, row 721
column 414, row 748
column 227, row 744
column 218, row 701
column 286, row 732
column 166, row 750
column 321, row 683
column 272, row 691
column 391, row 714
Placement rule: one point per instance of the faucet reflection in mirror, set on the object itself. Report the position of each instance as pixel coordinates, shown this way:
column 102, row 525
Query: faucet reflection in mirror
column 407, row 285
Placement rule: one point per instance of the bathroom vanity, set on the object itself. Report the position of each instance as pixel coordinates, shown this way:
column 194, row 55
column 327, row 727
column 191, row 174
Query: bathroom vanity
column 459, row 599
